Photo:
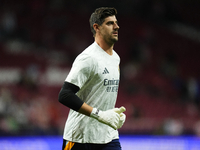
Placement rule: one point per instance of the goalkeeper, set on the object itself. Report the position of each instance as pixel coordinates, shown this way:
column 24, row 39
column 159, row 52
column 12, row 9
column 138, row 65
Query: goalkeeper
column 91, row 87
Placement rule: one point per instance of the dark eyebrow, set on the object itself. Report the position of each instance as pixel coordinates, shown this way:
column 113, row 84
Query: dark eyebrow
column 111, row 22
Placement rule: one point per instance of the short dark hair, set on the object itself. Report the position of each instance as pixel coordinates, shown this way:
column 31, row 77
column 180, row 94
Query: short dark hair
column 99, row 15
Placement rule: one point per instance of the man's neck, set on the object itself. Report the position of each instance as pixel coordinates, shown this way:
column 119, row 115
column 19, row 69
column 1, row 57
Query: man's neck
column 106, row 47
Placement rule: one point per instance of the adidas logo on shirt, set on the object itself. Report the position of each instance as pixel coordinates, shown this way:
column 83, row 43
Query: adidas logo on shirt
column 105, row 71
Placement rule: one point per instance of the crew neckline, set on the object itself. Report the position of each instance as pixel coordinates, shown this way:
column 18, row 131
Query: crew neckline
column 104, row 50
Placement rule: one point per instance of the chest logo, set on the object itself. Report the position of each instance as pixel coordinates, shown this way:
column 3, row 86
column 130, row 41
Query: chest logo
column 105, row 71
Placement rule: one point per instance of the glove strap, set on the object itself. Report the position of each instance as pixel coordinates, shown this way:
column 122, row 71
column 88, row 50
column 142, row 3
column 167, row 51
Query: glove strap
column 95, row 113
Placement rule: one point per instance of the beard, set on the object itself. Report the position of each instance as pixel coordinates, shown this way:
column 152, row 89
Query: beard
column 114, row 39
column 111, row 40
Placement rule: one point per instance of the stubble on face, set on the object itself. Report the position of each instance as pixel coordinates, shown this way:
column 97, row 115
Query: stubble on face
column 109, row 30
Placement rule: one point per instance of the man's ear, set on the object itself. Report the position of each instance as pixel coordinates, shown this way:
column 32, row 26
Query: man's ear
column 96, row 27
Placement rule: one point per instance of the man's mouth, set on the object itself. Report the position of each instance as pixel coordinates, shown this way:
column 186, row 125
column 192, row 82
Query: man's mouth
column 115, row 33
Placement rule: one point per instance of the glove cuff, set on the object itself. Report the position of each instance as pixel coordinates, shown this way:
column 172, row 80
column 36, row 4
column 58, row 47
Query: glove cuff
column 95, row 113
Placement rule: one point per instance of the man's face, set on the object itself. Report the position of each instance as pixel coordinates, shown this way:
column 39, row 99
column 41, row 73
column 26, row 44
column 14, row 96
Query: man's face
column 109, row 30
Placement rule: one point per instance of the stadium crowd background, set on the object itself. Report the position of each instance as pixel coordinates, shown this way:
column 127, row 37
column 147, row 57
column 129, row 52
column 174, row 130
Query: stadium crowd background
column 159, row 46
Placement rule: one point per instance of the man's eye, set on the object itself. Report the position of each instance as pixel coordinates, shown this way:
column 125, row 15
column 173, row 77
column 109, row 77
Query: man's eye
column 109, row 23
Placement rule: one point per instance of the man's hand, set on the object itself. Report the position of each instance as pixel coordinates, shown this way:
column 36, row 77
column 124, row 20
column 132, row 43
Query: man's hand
column 122, row 116
column 120, row 110
column 112, row 117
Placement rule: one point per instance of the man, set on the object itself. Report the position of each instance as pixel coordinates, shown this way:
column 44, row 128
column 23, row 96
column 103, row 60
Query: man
column 91, row 87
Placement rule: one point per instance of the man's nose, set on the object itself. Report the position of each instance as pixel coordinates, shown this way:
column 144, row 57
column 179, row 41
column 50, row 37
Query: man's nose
column 116, row 26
